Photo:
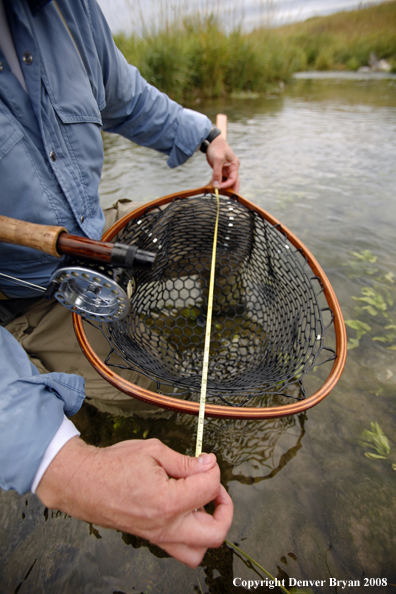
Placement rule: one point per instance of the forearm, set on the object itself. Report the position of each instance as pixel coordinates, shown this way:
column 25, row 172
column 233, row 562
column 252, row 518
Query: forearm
column 137, row 110
column 150, row 118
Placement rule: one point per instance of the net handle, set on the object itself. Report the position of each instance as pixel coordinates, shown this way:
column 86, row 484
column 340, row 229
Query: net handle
column 221, row 124
column 212, row 410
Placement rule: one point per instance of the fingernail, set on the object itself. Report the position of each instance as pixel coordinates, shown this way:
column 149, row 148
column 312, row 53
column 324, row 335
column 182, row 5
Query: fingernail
column 205, row 458
column 216, row 184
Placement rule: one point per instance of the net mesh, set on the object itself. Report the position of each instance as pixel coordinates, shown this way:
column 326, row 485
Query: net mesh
column 267, row 325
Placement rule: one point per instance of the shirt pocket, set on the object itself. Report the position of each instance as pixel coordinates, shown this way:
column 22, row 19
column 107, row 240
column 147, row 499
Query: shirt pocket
column 72, row 111
column 68, row 85
column 70, row 106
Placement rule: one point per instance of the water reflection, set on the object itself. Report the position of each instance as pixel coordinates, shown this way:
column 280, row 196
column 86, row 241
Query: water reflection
column 250, row 451
column 247, row 451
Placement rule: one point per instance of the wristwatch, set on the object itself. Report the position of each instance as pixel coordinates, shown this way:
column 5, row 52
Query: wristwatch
column 214, row 133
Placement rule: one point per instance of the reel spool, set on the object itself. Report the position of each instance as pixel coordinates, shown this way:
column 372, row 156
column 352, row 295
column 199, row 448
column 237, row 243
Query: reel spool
column 90, row 293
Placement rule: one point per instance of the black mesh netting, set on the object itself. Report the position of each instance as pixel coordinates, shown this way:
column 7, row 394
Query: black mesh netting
column 267, row 325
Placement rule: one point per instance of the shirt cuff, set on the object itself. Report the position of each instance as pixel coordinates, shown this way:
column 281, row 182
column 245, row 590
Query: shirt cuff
column 65, row 432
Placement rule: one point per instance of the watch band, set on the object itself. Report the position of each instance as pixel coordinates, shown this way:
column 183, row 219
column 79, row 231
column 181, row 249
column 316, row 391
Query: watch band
column 214, row 133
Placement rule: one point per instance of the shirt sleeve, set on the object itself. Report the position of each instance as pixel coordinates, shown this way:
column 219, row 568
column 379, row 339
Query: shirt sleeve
column 137, row 110
column 32, row 409
column 65, row 432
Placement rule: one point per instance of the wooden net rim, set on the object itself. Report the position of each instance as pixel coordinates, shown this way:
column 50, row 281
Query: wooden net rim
column 213, row 410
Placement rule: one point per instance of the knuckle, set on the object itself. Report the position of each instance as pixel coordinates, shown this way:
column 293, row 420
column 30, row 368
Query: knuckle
column 185, row 463
column 154, row 447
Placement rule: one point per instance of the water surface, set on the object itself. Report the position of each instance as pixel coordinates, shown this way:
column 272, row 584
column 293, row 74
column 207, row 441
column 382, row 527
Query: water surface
column 308, row 503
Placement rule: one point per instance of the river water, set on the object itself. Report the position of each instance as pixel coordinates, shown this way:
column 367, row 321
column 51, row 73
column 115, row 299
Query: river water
column 309, row 503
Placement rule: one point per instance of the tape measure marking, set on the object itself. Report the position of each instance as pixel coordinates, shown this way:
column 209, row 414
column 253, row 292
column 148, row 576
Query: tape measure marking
column 205, row 365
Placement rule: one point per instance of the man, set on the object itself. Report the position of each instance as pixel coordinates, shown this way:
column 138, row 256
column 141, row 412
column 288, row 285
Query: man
column 61, row 81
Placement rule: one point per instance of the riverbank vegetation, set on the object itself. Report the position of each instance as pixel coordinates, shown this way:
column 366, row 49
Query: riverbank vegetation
column 197, row 56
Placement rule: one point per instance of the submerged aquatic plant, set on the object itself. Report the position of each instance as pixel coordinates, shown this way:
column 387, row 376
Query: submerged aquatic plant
column 361, row 264
column 276, row 581
column 374, row 301
column 365, row 256
column 377, row 441
column 361, row 329
column 271, row 577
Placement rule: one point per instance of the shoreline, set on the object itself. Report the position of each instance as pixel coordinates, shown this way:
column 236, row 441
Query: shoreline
column 343, row 75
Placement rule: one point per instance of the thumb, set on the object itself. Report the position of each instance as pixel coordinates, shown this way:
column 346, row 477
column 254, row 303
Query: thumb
column 179, row 466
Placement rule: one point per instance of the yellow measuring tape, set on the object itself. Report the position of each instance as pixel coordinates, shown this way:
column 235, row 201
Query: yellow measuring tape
column 205, row 365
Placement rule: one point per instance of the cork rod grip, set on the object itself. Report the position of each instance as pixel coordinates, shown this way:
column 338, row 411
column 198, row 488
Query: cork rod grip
column 39, row 237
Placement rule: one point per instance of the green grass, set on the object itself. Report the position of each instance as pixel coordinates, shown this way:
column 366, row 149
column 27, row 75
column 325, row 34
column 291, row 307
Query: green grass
column 194, row 56
column 345, row 40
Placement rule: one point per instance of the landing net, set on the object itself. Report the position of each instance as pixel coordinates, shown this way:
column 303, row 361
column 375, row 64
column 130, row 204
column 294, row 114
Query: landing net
column 268, row 324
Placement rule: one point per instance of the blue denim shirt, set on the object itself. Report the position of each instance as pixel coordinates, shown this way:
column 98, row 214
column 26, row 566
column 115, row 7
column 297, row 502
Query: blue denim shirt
column 32, row 408
column 51, row 156
column 51, row 151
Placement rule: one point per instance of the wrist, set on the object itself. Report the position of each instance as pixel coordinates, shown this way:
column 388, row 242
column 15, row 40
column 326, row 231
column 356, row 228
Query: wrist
column 214, row 133
column 63, row 476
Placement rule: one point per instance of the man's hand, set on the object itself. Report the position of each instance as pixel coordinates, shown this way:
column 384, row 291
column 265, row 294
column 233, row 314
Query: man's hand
column 225, row 164
column 144, row 488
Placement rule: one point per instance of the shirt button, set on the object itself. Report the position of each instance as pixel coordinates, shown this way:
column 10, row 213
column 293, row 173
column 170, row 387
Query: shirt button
column 27, row 58
column 53, row 156
column 82, row 218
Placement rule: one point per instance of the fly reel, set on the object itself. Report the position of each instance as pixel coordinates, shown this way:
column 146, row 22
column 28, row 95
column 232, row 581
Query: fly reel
column 91, row 294
column 94, row 281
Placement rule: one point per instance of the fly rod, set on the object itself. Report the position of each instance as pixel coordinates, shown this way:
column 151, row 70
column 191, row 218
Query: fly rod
column 56, row 241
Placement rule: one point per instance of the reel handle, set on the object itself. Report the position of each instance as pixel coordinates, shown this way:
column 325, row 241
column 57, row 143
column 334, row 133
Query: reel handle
column 56, row 241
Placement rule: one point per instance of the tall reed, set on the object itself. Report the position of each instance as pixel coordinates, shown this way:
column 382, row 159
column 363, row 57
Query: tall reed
column 202, row 48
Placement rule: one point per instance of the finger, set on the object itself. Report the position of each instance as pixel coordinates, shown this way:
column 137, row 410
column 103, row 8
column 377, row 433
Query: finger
column 223, row 513
column 217, row 176
column 179, row 466
column 224, row 508
column 193, row 492
column 237, row 185
column 231, row 177
column 200, row 529
column 190, row 555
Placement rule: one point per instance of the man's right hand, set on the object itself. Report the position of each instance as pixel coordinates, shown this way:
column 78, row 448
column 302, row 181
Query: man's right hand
column 143, row 488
